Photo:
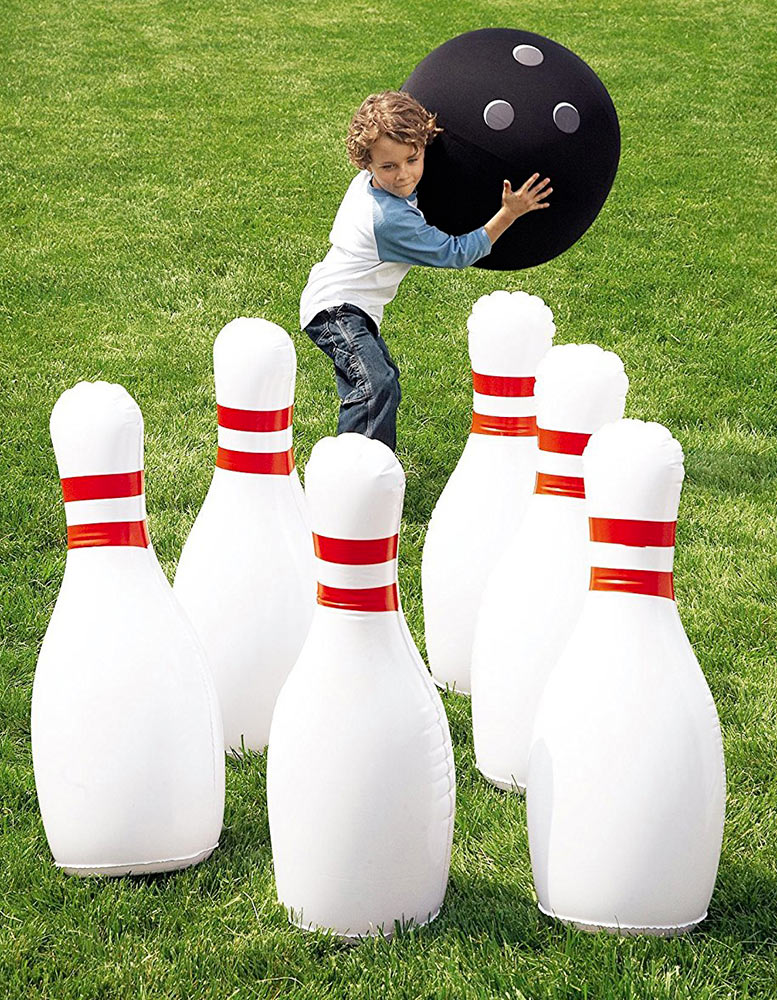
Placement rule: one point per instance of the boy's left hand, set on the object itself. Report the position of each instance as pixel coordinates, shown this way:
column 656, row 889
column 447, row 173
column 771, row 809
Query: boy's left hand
column 527, row 198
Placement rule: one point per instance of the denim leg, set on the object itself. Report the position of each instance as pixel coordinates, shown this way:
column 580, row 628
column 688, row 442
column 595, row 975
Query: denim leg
column 367, row 378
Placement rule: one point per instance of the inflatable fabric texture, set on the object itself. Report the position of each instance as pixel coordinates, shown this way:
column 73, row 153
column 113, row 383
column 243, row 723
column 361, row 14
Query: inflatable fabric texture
column 360, row 774
column 513, row 103
column 126, row 730
column 626, row 780
column 484, row 499
column 246, row 576
column 535, row 592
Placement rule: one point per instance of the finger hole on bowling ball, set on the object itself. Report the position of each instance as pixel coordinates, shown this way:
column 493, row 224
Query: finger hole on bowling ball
column 528, row 55
column 566, row 117
column 498, row 115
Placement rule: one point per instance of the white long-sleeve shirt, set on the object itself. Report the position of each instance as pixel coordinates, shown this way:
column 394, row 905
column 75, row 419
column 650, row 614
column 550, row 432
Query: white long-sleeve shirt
column 376, row 238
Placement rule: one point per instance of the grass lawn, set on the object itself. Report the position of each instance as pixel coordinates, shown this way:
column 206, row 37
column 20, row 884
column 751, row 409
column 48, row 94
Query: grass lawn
column 167, row 166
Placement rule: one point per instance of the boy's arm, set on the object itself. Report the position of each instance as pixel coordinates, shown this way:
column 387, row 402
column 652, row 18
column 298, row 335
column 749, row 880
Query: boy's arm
column 402, row 234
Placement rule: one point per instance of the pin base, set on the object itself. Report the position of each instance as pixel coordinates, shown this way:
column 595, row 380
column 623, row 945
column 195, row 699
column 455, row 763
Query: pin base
column 625, row 930
column 506, row 786
column 141, row 868
column 356, row 938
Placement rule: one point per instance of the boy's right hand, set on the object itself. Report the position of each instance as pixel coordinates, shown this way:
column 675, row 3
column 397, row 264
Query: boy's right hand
column 527, row 198
column 517, row 203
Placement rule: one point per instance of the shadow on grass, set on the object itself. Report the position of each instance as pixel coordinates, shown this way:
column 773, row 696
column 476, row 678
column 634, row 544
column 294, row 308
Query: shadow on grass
column 245, row 836
column 731, row 470
column 744, row 905
column 477, row 907
column 743, row 910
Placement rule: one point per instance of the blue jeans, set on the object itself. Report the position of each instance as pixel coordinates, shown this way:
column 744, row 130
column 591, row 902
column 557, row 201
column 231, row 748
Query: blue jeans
column 367, row 378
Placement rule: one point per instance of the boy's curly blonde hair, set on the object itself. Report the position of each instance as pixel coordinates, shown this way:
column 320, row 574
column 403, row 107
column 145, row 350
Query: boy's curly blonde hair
column 394, row 114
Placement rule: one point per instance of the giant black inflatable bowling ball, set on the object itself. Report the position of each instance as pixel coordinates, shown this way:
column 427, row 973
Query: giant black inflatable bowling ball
column 513, row 103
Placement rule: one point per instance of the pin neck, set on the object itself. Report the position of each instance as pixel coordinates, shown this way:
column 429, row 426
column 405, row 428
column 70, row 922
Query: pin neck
column 254, row 420
column 102, row 487
column 257, row 442
column 357, row 574
column 261, row 463
column 494, row 412
column 486, row 423
column 374, row 599
column 129, row 533
column 560, row 472
column 561, row 442
column 632, row 556
column 551, row 484
column 625, row 531
column 105, row 510
column 503, row 385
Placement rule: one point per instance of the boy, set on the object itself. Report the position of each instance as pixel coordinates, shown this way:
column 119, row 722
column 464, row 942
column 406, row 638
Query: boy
column 378, row 233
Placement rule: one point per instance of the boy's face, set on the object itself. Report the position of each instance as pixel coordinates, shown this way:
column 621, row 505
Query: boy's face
column 396, row 167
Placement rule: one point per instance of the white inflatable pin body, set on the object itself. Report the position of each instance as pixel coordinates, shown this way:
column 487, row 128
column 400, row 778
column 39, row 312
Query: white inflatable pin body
column 485, row 497
column 246, row 576
column 535, row 592
column 360, row 774
column 126, row 730
column 626, row 780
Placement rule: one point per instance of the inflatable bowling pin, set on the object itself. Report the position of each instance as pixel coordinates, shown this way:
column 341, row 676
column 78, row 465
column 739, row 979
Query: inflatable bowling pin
column 626, row 782
column 484, row 499
column 126, row 730
column 246, row 576
column 535, row 592
column 360, row 776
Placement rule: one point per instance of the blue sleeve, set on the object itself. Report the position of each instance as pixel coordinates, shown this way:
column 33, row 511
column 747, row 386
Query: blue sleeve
column 403, row 234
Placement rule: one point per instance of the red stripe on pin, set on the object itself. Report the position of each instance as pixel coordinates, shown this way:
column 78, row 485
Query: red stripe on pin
column 486, row 423
column 81, row 536
column 633, row 581
column 270, row 463
column 562, row 442
column 622, row 531
column 560, row 486
column 359, row 599
column 503, row 385
column 108, row 487
column 254, row 420
column 355, row 551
